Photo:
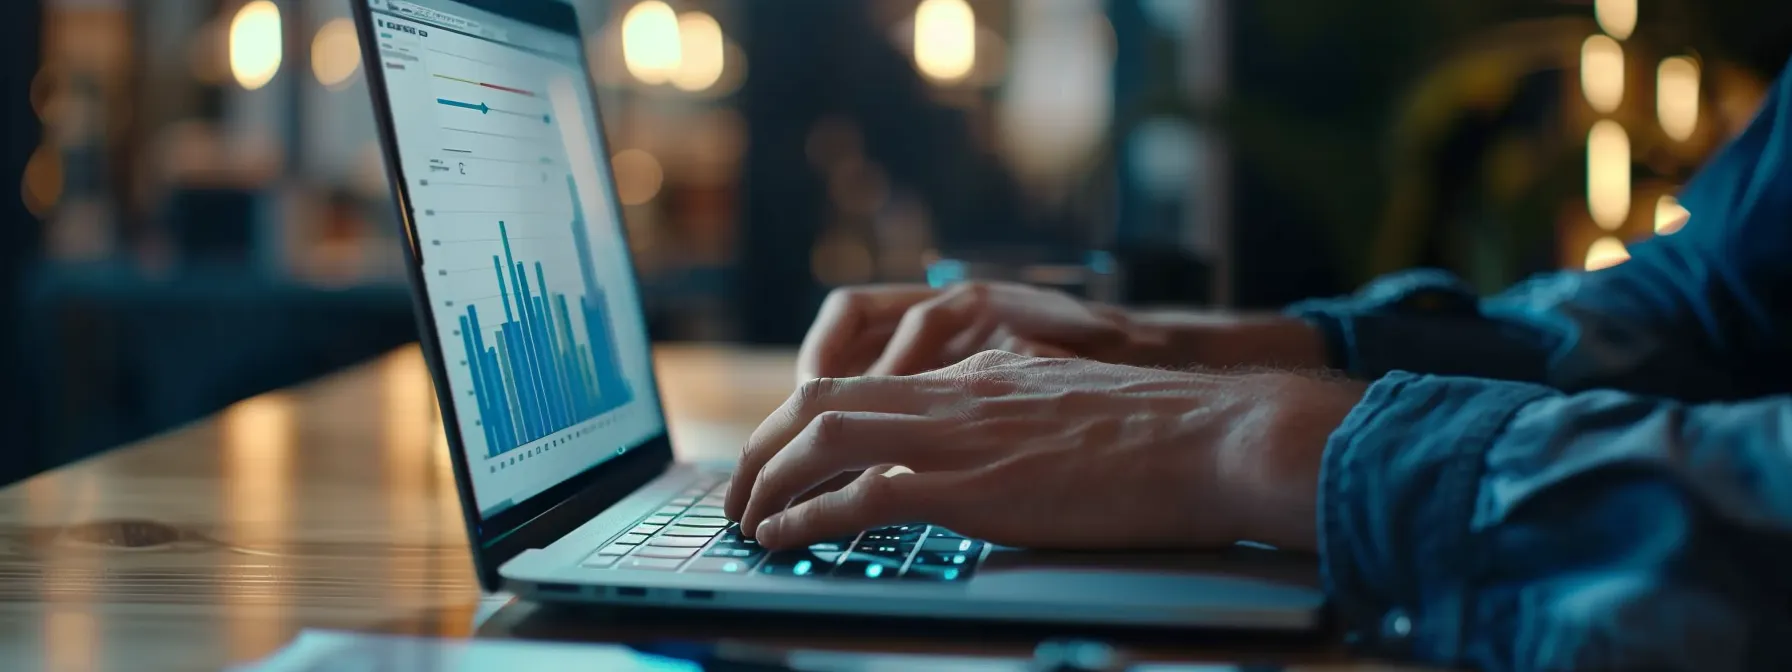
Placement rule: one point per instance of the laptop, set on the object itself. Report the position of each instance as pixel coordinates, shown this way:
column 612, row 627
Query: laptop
column 531, row 321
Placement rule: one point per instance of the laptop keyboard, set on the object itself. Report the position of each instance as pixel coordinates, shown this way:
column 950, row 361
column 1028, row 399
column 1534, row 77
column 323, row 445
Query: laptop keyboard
column 689, row 533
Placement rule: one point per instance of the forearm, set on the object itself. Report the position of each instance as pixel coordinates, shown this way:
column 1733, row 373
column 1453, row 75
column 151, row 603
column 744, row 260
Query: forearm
column 1186, row 339
column 1507, row 526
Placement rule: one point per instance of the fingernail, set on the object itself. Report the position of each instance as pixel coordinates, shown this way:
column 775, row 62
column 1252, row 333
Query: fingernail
column 768, row 529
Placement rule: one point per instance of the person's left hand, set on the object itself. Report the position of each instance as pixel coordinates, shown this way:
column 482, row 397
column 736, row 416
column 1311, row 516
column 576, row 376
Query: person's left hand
column 1045, row 453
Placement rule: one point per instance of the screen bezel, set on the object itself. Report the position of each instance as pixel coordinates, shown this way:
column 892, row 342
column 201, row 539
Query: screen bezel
column 553, row 513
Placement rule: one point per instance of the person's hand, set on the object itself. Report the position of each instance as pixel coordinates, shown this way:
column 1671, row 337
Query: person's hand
column 906, row 329
column 883, row 330
column 1045, row 453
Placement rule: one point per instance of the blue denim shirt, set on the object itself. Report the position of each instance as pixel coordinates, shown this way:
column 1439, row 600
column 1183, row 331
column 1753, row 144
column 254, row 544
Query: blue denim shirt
column 1590, row 471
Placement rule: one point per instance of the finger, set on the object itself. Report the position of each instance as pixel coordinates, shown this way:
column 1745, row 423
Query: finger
column 925, row 330
column 871, row 501
column 846, row 479
column 857, row 357
column 812, row 398
column 846, row 316
column 972, row 340
column 1031, row 348
column 838, row 442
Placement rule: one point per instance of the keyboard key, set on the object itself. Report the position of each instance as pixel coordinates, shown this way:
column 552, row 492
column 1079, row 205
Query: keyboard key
column 715, row 511
column 659, row 519
column 665, row 552
column 947, row 574
column 942, row 560
column 678, row 542
column 943, row 533
column 654, row 564
column 600, row 561
column 829, row 547
column 713, row 500
column 687, row 531
column 670, row 510
column 933, row 545
column 645, row 529
column 720, row 565
column 733, row 552
column 617, row 549
column 865, row 566
column 704, row 521
column 908, row 539
column 682, row 501
column 799, row 563
column 883, row 550
column 630, row 539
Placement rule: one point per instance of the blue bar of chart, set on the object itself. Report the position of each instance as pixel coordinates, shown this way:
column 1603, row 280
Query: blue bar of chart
column 533, row 377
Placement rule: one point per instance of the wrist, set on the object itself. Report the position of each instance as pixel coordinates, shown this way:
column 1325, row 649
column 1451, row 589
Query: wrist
column 1277, row 456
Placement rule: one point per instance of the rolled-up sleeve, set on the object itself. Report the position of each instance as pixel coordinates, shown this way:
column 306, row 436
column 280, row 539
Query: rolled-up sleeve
column 1509, row 526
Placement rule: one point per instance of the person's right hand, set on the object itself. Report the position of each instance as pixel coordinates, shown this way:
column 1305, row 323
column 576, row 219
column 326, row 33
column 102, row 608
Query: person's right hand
column 907, row 329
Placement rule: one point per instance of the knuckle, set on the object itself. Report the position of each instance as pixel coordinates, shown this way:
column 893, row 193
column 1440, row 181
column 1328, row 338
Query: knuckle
column 976, row 292
column 814, row 392
column 989, row 359
column 829, row 428
column 841, row 297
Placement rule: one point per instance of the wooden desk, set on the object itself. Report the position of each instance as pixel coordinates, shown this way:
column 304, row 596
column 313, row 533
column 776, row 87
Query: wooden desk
column 326, row 506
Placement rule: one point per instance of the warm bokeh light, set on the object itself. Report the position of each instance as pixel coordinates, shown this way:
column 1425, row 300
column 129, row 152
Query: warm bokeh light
column 1670, row 216
column 42, row 188
column 1677, row 96
column 255, row 44
column 945, row 39
column 1608, row 174
column 702, row 52
column 1617, row 17
column 335, row 53
column 1602, row 73
column 1606, row 253
column 638, row 176
column 650, row 42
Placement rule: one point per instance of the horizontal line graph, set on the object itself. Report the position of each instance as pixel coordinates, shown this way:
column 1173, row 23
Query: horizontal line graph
column 488, row 85
column 484, row 108
column 530, row 138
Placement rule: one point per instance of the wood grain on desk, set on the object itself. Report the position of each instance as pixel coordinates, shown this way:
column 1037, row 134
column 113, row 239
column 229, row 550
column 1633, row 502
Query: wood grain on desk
column 330, row 505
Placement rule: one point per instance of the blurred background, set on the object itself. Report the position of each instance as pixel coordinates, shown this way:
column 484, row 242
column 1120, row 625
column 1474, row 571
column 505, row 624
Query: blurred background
column 202, row 213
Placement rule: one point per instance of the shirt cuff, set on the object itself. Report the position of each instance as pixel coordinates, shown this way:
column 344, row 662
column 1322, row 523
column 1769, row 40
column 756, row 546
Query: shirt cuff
column 1398, row 485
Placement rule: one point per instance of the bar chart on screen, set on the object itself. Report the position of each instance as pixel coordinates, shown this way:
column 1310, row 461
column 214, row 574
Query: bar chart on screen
column 534, row 376
column 525, row 267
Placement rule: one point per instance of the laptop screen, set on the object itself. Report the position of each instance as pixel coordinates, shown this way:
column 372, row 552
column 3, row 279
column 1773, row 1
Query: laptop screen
column 523, row 256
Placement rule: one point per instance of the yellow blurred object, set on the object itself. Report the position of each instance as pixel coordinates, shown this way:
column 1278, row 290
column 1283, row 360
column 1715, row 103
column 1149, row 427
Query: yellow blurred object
column 1677, row 96
column 1616, row 17
column 1670, row 216
column 1602, row 73
column 638, row 176
column 335, row 53
column 42, row 189
column 702, row 55
column 1606, row 252
column 945, row 39
column 255, row 44
column 1608, row 174
column 651, row 45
